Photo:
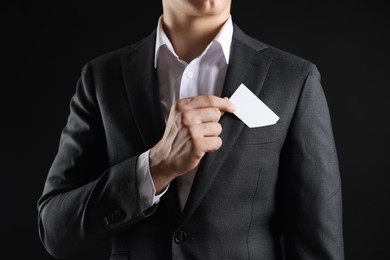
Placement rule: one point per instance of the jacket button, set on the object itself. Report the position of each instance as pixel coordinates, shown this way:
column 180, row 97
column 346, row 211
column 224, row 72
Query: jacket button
column 115, row 217
column 180, row 236
column 118, row 215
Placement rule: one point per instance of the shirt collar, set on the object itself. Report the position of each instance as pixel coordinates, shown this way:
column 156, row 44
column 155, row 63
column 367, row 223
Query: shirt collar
column 224, row 38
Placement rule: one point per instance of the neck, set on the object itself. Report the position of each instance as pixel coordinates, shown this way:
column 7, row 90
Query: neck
column 191, row 35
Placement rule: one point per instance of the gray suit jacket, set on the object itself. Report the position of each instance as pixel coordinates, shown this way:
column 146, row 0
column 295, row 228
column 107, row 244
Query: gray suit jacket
column 266, row 192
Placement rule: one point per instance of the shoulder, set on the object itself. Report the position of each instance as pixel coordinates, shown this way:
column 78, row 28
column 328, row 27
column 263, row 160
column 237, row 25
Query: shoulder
column 113, row 59
column 285, row 60
column 281, row 59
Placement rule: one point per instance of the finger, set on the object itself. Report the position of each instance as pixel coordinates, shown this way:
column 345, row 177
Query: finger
column 234, row 107
column 196, row 102
column 201, row 115
column 205, row 130
column 210, row 144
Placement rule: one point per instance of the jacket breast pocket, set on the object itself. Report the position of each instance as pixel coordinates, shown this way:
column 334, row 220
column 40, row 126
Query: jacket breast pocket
column 260, row 135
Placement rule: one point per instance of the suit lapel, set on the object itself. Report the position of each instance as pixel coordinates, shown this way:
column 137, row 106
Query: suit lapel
column 249, row 65
column 142, row 91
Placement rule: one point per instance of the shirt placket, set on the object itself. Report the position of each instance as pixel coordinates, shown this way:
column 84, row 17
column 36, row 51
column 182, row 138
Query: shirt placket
column 189, row 80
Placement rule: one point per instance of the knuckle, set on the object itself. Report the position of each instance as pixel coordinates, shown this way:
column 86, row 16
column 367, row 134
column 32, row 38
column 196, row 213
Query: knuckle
column 198, row 154
column 185, row 118
column 215, row 144
column 219, row 128
column 211, row 99
column 218, row 142
column 192, row 131
column 216, row 113
column 180, row 104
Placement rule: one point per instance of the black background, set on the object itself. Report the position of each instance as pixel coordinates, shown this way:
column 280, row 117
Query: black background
column 46, row 43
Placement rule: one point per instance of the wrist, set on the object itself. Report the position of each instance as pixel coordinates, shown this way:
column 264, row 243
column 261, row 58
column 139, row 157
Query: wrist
column 160, row 171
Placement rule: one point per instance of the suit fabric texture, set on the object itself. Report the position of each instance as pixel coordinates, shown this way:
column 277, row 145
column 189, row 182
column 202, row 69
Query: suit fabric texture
column 268, row 193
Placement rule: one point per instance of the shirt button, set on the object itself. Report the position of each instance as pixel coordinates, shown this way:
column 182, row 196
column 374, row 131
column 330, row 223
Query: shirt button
column 190, row 75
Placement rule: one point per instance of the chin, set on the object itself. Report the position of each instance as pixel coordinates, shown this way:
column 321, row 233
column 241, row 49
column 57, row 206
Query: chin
column 210, row 7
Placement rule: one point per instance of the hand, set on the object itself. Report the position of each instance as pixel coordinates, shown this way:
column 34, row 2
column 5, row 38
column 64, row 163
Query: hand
column 192, row 130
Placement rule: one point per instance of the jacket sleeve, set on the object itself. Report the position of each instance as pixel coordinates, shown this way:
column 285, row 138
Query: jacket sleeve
column 83, row 200
column 311, row 184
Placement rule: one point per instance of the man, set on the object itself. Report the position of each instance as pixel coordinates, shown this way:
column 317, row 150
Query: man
column 153, row 158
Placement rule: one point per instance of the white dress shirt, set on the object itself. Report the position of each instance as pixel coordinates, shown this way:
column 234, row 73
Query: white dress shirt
column 177, row 79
